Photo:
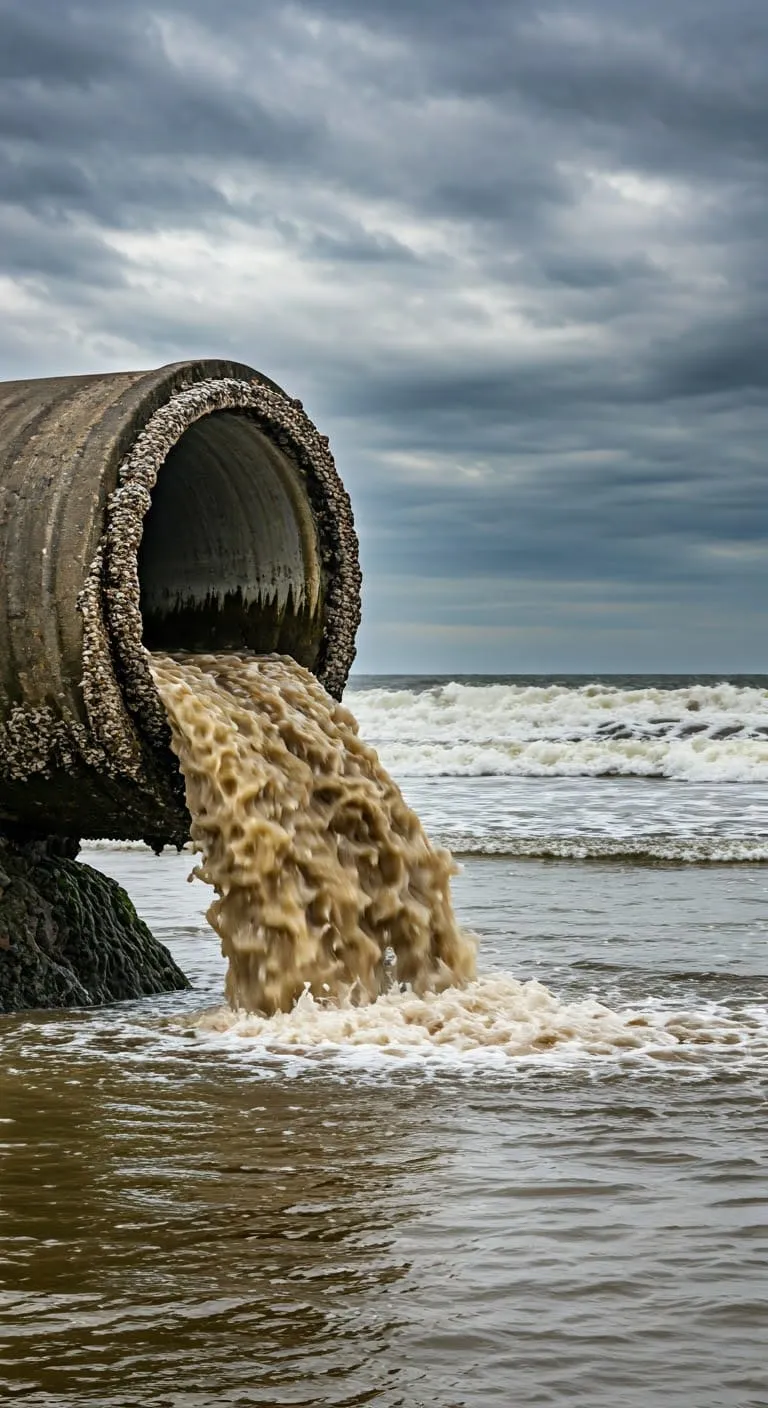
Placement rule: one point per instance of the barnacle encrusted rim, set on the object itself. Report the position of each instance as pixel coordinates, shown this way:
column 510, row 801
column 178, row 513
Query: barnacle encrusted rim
column 117, row 682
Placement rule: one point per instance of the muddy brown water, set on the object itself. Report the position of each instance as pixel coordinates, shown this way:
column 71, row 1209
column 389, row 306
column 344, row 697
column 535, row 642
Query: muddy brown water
column 319, row 866
column 191, row 1219
column 504, row 1198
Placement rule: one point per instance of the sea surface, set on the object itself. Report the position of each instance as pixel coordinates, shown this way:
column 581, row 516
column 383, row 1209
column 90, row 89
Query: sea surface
column 551, row 1189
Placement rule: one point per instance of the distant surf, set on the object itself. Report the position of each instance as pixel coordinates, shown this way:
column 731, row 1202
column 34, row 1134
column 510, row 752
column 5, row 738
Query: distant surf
column 662, row 849
column 697, row 732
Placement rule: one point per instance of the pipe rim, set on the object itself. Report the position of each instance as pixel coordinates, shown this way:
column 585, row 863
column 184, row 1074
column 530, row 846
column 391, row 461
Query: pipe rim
column 110, row 604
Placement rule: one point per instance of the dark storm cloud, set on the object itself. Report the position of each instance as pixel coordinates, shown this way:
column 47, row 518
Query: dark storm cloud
column 731, row 355
column 125, row 96
column 514, row 252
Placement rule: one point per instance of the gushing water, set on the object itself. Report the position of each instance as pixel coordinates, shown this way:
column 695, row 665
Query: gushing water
column 333, row 908
column 325, row 879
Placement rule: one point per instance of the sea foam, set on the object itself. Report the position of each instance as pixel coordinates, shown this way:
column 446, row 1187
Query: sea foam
column 698, row 733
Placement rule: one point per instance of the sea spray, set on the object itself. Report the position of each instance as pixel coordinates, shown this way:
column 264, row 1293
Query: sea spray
column 325, row 879
column 692, row 733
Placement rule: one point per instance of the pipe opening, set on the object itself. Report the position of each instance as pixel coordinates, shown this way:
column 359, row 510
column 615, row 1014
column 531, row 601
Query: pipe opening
column 229, row 557
column 194, row 508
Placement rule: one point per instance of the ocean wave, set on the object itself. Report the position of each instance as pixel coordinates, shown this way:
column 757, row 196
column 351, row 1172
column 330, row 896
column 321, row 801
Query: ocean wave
column 649, row 849
column 701, row 760
column 699, row 733
column 104, row 844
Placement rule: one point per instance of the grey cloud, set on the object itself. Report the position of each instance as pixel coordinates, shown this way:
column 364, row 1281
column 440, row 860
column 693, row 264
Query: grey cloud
column 357, row 246
column 437, row 173
column 590, row 272
column 61, row 45
column 30, row 252
column 730, row 355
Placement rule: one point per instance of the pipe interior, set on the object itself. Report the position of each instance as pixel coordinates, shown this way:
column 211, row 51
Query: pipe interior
column 229, row 558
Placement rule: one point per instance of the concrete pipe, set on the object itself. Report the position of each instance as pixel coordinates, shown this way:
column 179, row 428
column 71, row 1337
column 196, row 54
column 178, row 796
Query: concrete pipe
column 191, row 508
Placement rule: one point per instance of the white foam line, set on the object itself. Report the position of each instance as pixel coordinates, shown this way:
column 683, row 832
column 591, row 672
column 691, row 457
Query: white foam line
column 697, row 733
column 683, row 850
column 495, row 1020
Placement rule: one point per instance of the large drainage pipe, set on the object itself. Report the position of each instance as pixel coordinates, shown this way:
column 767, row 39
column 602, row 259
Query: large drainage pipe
column 191, row 508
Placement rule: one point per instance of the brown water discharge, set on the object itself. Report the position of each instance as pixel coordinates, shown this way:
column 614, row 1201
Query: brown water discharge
column 325, row 879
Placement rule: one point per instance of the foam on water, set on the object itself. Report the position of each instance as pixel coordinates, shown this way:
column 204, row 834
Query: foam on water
column 698, row 733
column 496, row 1023
column 664, row 848
column 496, row 1019
column 334, row 909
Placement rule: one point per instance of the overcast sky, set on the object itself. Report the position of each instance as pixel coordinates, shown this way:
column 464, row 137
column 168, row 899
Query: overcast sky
column 512, row 256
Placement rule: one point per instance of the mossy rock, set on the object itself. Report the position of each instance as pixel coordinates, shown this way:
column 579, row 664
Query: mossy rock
column 70, row 936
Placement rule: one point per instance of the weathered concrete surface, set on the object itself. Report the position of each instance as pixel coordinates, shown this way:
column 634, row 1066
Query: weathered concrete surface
column 70, row 936
column 187, row 507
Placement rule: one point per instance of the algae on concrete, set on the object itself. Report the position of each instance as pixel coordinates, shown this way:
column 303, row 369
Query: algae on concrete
column 70, row 936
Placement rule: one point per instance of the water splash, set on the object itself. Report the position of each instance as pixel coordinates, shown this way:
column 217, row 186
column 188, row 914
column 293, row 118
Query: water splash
column 320, row 868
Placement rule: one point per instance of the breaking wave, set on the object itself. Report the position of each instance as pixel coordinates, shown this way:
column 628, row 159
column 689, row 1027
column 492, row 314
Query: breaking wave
column 648, row 849
column 696, row 733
